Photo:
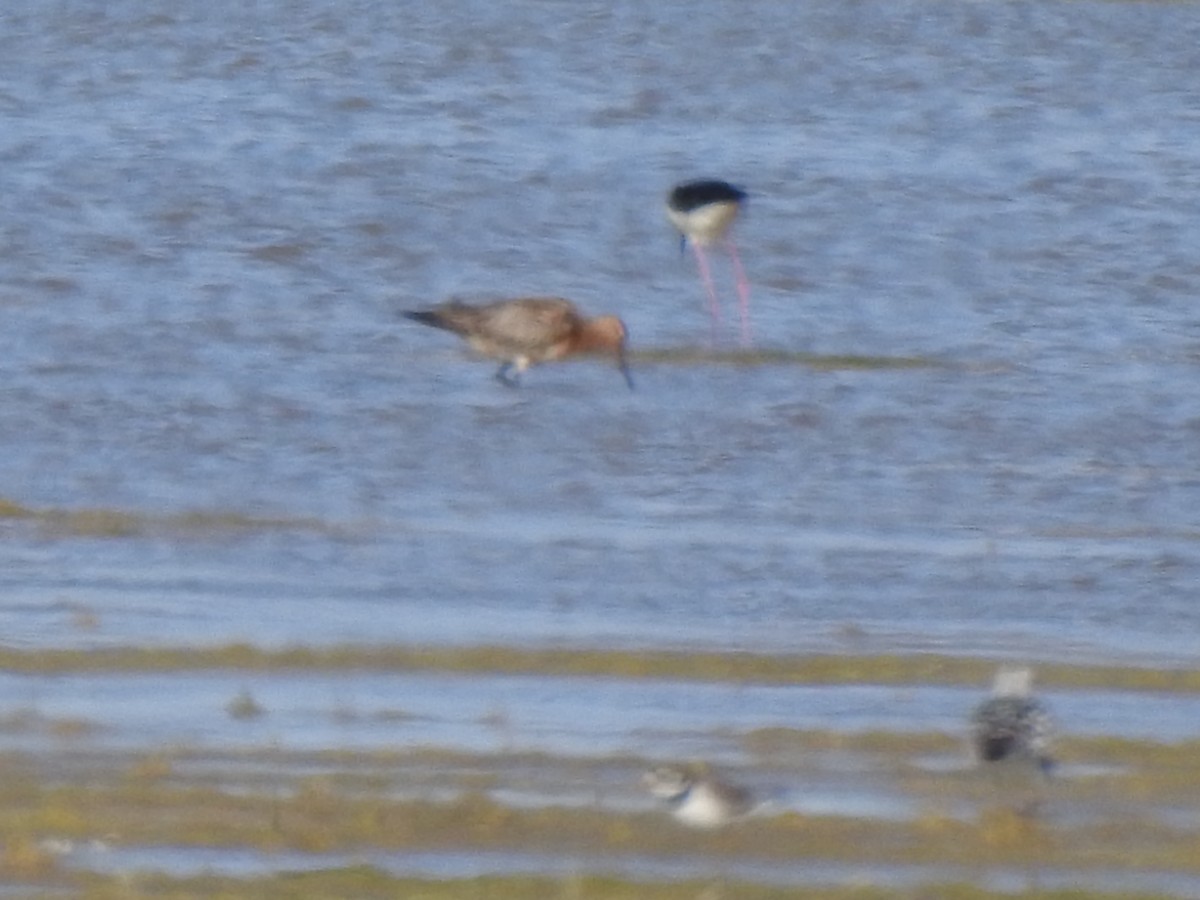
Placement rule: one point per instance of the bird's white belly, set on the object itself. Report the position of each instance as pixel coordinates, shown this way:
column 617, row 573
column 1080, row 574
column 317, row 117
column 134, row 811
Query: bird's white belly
column 703, row 809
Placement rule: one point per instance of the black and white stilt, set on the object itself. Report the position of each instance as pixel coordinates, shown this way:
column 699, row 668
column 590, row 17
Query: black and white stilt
column 704, row 212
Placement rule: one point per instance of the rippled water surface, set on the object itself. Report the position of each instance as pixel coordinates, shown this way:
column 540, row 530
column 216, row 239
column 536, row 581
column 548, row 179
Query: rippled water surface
column 975, row 224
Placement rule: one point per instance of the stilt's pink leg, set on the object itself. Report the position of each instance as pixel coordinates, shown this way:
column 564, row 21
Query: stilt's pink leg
column 714, row 307
column 743, row 289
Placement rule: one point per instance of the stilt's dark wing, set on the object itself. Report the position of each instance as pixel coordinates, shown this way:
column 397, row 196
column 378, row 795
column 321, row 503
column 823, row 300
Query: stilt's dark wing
column 688, row 197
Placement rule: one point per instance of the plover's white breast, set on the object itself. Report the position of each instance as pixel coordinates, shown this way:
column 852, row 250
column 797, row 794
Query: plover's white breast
column 699, row 801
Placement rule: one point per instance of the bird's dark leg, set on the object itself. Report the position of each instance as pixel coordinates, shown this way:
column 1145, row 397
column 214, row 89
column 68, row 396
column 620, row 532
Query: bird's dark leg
column 623, row 365
column 506, row 379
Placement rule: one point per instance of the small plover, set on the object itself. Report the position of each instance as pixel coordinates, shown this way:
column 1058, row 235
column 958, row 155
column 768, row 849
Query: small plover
column 698, row 800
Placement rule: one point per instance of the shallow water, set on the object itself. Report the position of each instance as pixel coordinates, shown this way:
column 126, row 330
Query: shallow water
column 213, row 218
column 478, row 713
column 212, row 225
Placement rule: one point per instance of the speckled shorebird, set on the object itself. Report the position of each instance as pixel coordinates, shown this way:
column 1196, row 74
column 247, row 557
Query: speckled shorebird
column 530, row 330
column 698, row 800
column 704, row 212
column 1012, row 724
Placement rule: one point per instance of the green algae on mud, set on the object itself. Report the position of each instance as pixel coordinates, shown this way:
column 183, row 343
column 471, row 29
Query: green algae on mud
column 362, row 802
column 100, row 522
column 316, row 819
column 146, row 802
column 700, row 665
column 365, row 882
column 1155, row 773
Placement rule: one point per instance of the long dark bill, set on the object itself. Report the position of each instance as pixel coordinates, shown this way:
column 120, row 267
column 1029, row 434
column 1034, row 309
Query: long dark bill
column 623, row 365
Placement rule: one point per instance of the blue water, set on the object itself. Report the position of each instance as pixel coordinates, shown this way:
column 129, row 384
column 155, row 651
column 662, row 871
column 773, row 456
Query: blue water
column 214, row 215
